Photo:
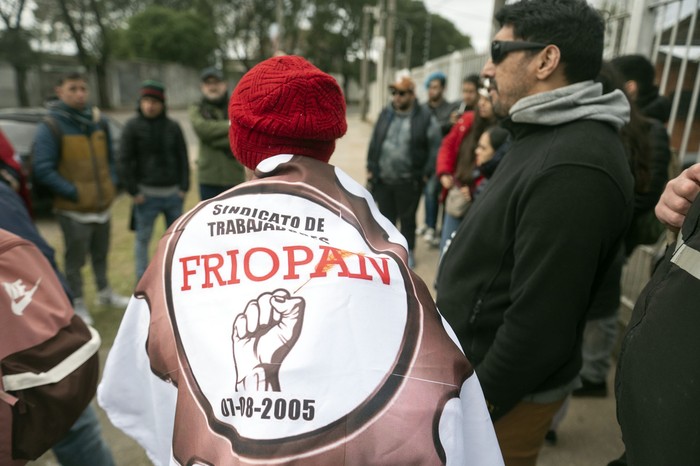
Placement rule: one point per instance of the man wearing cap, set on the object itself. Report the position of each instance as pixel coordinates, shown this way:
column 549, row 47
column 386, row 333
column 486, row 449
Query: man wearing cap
column 405, row 139
column 218, row 170
column 79, row 169
column 279, row 322
column 156, row 170
column 531, row 252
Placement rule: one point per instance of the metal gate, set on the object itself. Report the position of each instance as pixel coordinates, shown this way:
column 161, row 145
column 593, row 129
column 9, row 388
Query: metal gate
column 666, row 32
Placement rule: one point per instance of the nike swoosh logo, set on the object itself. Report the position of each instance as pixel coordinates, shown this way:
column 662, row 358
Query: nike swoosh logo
column 19, row 306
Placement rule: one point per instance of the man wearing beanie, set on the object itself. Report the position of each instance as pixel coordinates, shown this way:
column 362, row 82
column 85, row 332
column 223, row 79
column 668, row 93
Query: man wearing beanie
column 156, row 170
column 218, row 170
column 279, row 322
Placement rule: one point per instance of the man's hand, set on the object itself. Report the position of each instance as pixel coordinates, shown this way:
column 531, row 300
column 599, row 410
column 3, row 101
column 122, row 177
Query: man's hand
column 139, row 199
column 675, row 201
column 263, row 335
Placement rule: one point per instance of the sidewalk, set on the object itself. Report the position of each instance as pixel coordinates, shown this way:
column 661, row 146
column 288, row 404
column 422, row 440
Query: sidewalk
column 589, row 435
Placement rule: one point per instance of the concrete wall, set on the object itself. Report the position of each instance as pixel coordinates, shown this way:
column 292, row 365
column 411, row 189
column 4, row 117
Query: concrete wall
column 124, row 79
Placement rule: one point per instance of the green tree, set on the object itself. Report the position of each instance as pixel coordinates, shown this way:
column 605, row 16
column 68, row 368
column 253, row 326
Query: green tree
column 334, row 41
column 87, row 23
column 15, row 46
column 165, row 34
column 246, row 30
column 431, row 33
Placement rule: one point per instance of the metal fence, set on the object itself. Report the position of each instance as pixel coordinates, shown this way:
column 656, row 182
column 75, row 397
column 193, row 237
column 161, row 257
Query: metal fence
column 667, row 33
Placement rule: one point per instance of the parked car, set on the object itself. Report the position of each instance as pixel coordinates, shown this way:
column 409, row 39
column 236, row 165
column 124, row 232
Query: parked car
column 19, row 126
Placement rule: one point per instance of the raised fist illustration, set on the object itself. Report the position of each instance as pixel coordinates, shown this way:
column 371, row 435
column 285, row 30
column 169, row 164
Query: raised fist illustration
column 263, row 335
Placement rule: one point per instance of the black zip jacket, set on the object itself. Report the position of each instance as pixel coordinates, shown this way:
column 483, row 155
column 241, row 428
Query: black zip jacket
column 420, row 141
column 656, row 383
column 154, row 153
column 519, row 275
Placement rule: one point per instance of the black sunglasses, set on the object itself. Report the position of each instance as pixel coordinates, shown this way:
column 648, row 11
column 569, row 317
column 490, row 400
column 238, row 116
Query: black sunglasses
column 501, row 48
column 401, row 93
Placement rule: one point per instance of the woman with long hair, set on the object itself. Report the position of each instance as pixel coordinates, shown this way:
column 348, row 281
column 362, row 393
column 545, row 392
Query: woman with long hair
column 456, row 158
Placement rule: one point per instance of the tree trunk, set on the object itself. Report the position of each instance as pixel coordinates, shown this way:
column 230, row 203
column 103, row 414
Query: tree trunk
column 104, row 100
column 21, row 86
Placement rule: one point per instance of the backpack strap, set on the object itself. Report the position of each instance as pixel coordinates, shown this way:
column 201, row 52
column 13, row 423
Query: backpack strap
column 686, row 257
column 23, row 381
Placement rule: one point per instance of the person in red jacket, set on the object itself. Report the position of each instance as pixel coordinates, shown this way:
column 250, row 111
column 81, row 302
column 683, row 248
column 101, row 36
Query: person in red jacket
column 457, row 150
column 11, row 171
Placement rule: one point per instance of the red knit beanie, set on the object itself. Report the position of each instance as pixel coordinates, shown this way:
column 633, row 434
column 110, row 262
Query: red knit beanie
column 285, row 105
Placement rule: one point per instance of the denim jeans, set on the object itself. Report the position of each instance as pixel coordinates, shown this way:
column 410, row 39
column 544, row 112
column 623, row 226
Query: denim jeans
column 145, row 215
column 81, row 239
column 449, row 226
column 431, row 193
column 599, row 337
column 399, row 202
column 83, row 445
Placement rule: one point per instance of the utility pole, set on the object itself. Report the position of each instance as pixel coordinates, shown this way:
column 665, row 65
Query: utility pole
column 404, row 51
column 279, row 18
column 380, row 48
column 426, row 43
column 409, row 44
column 390, row 34
column 497, row 5
column 364, row 70
column 641, row 29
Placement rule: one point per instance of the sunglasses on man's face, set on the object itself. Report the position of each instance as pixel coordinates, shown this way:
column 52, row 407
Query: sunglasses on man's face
column 399, row 93
column 501, row 48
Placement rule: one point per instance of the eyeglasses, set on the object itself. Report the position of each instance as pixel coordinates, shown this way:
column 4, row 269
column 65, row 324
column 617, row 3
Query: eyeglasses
column 501, row 48
column 400, row 93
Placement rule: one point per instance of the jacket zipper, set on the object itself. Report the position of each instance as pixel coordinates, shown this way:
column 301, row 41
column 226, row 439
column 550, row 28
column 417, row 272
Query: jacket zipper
column 472, row 319
column 95, row 171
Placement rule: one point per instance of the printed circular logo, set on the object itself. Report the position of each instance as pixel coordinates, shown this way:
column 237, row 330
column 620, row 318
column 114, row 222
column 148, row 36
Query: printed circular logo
column 296, row 328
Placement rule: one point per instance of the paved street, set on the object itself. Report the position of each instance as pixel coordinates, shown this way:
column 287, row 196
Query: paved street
column 588, row 436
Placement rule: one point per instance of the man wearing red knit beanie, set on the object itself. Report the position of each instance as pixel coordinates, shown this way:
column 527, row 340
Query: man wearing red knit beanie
column 279, row 322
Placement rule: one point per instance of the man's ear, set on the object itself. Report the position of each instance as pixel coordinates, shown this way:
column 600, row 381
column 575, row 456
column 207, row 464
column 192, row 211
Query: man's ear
column 548, row 61
column 632, row 89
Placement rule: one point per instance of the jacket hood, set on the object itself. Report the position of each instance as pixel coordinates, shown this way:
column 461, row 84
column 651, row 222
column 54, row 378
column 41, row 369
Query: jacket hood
column 84, row 116
column 580, row 101
column 488, row 168
column 655, row 106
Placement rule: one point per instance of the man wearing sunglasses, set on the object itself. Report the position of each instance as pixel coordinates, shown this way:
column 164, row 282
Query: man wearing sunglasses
column 405, row 139
column 546, row 228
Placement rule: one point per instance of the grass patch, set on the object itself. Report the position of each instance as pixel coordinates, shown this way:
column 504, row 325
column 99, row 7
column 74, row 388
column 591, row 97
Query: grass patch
column 120, row 267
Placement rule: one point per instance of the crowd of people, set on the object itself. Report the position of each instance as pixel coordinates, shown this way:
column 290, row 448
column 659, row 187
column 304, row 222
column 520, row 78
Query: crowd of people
column 249, row 337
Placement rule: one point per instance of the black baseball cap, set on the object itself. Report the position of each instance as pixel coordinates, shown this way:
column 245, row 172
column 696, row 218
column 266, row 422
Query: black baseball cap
column 211, row 72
